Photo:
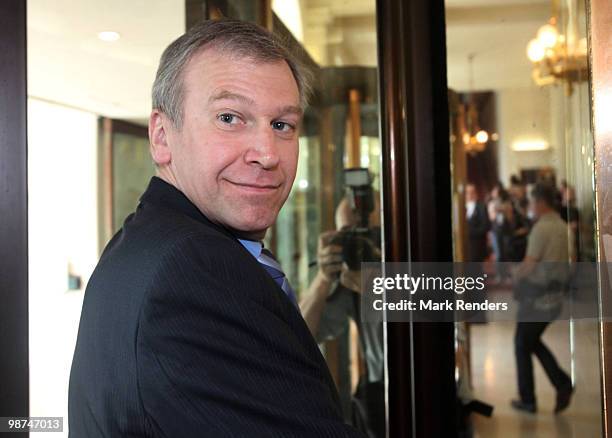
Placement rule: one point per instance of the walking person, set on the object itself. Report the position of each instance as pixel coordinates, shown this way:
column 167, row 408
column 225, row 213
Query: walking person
column 541, row 276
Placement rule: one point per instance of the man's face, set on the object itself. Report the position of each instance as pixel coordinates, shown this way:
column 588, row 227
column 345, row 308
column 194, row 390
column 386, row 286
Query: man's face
column 235, row 156
column 347, row 218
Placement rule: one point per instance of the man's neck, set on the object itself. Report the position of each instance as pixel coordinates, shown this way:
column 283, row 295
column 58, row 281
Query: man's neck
column 165, row 173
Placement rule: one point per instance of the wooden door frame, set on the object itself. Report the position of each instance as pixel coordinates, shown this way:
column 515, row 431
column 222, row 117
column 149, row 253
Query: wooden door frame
column 14, row 369
column 417, row 226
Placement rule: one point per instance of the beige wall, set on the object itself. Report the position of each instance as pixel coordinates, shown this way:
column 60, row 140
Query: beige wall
column 62, row 231
column 527, row 114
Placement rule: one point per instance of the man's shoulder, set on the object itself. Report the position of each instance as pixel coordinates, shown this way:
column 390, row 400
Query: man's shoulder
column 159, row 256
column 547, row 230
column 549, row 223
column 162, row 228
column 539, row 230
column 153, row 237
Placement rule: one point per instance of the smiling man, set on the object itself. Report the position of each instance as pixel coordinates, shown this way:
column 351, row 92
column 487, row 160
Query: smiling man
column 189, row 327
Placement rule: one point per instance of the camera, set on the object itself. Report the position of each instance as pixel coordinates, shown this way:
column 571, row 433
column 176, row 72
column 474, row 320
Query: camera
column 360, row 243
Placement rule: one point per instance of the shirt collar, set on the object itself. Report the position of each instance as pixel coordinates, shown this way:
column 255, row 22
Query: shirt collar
column 252, row 246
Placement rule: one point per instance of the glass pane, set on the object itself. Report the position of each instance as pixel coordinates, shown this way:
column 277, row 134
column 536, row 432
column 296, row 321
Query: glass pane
column 523, row 164
column 326, row 215
column 132, row 171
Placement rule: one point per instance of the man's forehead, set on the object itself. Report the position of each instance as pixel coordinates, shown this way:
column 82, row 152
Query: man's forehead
column 210, row 54
column 206, row 59
column 216, row 67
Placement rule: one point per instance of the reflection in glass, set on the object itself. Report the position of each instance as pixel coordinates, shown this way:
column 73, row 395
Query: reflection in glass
column 519, row 70
column 331, row 221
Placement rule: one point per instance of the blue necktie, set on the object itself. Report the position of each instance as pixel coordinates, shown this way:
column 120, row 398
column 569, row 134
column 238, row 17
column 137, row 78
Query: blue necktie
column 270, row 264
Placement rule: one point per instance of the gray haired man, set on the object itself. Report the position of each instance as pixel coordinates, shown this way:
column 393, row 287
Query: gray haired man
column 189, row 327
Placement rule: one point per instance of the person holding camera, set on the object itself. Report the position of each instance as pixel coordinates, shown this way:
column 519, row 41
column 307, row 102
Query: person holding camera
column 334, row 297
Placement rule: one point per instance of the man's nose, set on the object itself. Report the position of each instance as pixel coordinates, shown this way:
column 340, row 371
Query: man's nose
column 263, row 150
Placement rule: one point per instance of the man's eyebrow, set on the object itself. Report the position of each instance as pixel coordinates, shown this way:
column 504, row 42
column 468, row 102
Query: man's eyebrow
column 290, row 109
column 224, row 94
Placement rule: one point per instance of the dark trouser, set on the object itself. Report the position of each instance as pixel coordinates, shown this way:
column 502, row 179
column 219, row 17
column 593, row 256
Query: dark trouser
column 527, row 341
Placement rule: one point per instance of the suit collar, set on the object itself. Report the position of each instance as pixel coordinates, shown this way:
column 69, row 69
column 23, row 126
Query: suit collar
column 164, row 194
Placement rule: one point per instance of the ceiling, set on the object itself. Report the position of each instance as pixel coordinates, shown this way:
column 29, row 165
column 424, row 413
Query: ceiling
column 68, row 64
column 496, row 32
column 496, row 35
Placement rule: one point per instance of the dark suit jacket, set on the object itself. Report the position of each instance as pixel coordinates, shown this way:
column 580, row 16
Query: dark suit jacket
column 184, row 334
column 478, row 226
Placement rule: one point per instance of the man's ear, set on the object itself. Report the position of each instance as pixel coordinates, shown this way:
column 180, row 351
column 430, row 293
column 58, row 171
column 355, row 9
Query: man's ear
column 158, row 137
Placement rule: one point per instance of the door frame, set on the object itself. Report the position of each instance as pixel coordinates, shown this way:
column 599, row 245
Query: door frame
column 414, row 118
column 14, row 371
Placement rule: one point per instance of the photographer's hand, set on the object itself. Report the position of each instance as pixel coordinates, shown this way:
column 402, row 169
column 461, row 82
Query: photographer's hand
column 351, row 279
column 329, row 256
column 329, row 261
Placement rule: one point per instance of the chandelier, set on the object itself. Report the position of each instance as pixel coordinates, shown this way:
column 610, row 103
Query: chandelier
column 557, row 57
column 473, row 137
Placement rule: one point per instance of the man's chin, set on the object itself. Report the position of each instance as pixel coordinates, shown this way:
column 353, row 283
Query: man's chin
column 253, row 230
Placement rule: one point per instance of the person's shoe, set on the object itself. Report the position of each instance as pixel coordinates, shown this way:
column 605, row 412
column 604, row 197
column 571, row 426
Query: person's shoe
column 520, row 405
column 563, row 399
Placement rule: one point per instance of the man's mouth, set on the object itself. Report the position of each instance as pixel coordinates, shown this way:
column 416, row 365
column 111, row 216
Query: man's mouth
column 256, row 187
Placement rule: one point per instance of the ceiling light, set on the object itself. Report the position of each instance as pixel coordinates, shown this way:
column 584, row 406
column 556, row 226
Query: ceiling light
column 548, row 35
column 554, row 59
column 474, row 138
column 109, row 36
column 530, row 145
column 535, row 51
column 482, row 136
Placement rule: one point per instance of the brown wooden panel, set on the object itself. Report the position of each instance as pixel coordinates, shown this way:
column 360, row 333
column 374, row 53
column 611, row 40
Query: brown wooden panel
column 417, row 206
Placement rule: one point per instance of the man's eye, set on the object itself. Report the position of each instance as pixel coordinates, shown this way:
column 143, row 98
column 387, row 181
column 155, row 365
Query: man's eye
column 230, row 119
column 282, row 126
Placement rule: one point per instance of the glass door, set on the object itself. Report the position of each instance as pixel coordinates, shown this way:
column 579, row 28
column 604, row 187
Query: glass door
column 332, row 220
column 521, row 126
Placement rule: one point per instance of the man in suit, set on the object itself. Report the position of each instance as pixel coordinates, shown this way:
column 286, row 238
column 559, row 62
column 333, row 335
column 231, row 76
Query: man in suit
column 478, row 225
column 189, row 327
